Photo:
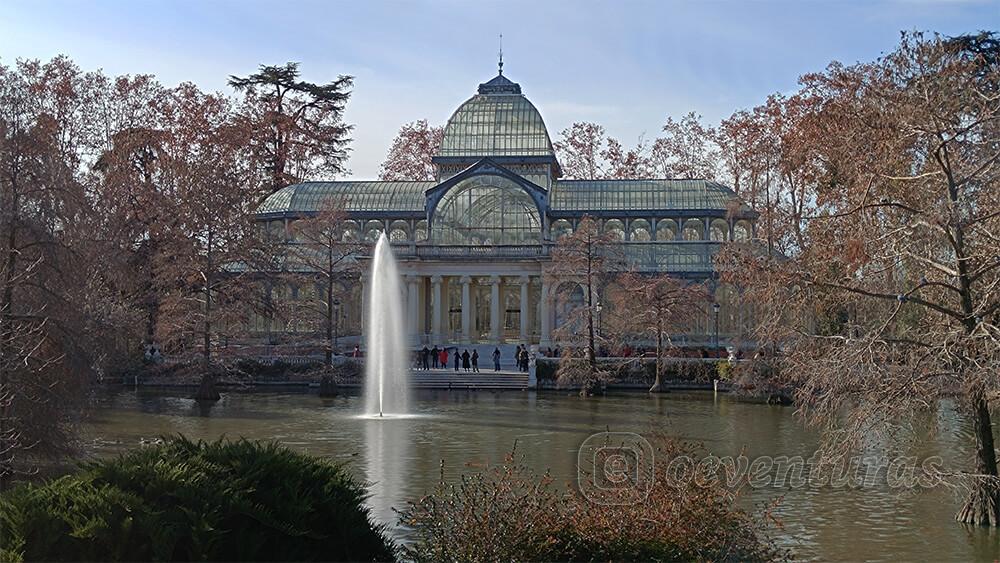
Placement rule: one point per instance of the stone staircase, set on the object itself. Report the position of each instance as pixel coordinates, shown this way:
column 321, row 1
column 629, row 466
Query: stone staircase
column 449, row 379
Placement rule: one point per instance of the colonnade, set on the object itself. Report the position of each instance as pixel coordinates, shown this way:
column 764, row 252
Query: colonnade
column 429, row 310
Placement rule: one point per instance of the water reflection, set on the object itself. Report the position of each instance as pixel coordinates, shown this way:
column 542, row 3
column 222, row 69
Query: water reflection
column 388, row 446
column 464, row 431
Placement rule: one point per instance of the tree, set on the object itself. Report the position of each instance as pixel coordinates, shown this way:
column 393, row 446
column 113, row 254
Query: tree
column 656, row 306
column 50, row 272
column 211, row 245
column 324, row 249
column 587, row 153
column 891, row 301
column 590, row 259
column 296, row 126
column 411, row 152
column 687, row 150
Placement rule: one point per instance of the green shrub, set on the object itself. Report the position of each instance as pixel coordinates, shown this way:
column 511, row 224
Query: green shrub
column 185, row 501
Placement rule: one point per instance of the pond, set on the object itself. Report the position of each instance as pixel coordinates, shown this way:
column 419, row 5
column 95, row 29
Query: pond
column 463, row 431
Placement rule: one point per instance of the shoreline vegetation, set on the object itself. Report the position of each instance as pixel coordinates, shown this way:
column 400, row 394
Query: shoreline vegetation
column 180, row 500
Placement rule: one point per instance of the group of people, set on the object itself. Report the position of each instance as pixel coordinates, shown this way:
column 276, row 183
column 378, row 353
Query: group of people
column 438, row 358
column 520, row 357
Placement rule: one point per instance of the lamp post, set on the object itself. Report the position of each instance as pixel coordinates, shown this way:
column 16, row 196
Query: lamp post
column 715, row 309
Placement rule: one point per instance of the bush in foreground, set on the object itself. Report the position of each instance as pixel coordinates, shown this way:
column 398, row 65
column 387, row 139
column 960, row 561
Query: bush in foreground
column 510, row 514
column 184, row 501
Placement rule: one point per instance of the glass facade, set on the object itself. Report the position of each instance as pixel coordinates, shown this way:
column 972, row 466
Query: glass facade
column 486, row 210
column 483, row 221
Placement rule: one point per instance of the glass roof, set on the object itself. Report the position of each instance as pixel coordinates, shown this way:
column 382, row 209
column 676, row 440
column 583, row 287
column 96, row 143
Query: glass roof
column 496, row 122
column 358, row 196
column 628, row 195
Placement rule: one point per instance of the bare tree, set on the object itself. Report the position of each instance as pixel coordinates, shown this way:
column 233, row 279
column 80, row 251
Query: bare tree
column 686, row 150
column 411, row 152
column 324, row 251
column 212, row 246
column 590, row 259
column 890, row 302
column 587, row 153
column 656, row 305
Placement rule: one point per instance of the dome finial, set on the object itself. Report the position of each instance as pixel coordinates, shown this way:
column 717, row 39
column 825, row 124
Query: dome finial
column 501, row 55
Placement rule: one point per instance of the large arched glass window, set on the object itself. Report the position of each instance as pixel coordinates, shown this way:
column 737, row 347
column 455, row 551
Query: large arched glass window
column 486, row 210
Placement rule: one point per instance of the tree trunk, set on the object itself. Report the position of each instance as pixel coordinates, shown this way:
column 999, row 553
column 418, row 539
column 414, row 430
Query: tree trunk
column 329, row 315
column 982, row 508
column 658, row 383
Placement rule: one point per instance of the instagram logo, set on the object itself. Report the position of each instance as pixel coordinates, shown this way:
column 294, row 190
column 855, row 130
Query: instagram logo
column 615, row 468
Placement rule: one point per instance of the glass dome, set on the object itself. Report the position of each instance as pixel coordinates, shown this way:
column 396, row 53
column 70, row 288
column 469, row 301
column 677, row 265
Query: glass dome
column 486, row 210
column 498, row 121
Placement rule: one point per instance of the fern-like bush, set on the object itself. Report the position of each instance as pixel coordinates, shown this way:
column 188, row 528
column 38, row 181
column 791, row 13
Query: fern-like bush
column 185, row 501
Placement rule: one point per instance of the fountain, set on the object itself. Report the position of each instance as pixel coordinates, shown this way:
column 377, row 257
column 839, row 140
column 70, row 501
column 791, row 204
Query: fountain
column 387, row 362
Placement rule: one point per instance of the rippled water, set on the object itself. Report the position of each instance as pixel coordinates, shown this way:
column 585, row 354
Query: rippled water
column 467, row 430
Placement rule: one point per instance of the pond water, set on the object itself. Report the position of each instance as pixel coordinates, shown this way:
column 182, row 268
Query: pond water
column 462, row 431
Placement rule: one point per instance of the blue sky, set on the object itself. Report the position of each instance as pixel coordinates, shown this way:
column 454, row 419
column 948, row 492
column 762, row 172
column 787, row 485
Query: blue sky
column 626, row 64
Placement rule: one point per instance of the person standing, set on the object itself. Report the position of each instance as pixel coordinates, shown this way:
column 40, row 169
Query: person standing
column 475, row 361
column 424, row 358
column 435, row 356
column 458, row 358
column 357, row 351
column 444, row 358
column 496, row 359
column 524, row 359
column 465, row 360
column 517, row 356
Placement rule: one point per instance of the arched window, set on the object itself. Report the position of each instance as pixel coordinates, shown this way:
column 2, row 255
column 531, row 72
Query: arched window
column 560, row 228
column 693, row 230
column 666, row 229
column 420, row 232
column 372, row 230
column 352, row 233
column 639, row 230
column 399, row 231
column 719, row 231
column 486, row 210
column 616, row 228
column 742, row 231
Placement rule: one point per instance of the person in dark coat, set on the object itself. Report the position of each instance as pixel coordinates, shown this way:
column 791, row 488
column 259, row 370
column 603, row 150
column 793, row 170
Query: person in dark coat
column 458, row 358
column 475, row 361
column 517, row 356
column 496, row 359
column 465, row 360
column 425, row 358
column 435, row 356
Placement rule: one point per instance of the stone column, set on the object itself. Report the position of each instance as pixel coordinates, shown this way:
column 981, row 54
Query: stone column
column 466, row 308
column 436, row 309
column 524, row 308
column 495, row 324
column 413, row 308
column 545, row 338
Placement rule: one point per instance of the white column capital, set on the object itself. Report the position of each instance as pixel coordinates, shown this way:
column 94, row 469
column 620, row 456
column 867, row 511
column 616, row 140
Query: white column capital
column 495, row 279
column 412, row 278
column 465, row 279
column 436, row 279
column 524, row 280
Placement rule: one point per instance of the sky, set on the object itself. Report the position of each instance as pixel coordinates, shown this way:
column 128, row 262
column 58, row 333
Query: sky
column 625, row 64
